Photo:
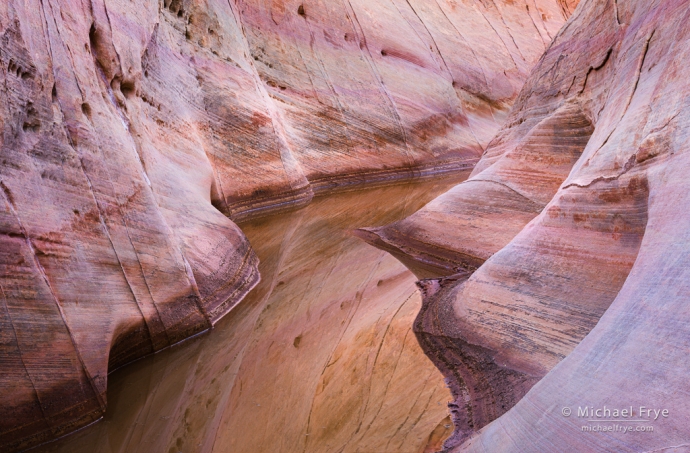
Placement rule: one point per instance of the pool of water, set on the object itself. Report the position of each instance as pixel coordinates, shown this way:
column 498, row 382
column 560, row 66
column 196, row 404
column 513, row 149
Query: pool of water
column 320, row 357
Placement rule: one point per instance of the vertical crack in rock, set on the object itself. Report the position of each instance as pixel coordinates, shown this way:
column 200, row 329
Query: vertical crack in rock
column 467, row 44
column 541, row 17
column 615, row 7
column 359, row 33
column 44, row 276
column 445, row 65
column 299, row 185
column 499, row 36
column 16, row 339
column 326, row 77
column 534, row 24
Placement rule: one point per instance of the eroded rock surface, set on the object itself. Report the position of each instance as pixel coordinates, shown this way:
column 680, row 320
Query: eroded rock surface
column 598, row 256
column 633, row 164
column 308, row 362
column 130, row 128
column 374, row 90
column 461, row 229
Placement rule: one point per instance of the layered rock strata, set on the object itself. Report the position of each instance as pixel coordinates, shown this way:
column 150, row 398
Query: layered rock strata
column 371, row 91
column 130, row 128
column 461, row 229
column 308, row 362
column 582, row 305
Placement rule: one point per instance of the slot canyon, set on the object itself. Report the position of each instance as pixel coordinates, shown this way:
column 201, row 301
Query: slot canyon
column 390, row 226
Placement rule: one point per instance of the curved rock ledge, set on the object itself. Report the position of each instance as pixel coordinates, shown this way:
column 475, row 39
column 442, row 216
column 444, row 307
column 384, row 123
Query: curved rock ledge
column 636, row 353
column 491, row 207
column 584, row 302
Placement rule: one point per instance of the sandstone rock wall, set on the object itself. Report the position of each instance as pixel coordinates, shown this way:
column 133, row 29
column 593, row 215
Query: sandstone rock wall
column 595, row 254
column 636, row 353
column 308, row 362
column 370, row 90
column 130, row 128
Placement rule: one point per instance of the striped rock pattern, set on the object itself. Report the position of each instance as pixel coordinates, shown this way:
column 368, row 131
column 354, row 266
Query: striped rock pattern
column 131, row 131
column 582, row 302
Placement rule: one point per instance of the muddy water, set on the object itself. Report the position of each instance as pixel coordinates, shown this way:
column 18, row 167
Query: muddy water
column 319, row 358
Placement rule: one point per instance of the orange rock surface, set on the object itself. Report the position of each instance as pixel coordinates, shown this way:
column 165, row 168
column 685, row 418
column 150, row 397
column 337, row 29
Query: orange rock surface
column 308, row 362
column 131, row 131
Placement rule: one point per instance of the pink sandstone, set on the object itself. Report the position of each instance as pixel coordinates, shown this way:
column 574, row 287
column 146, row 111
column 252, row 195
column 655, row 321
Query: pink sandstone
column 132, row 132
column 568, row 290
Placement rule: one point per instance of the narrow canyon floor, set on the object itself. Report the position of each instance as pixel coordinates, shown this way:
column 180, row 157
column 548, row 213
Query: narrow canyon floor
column 320, row 357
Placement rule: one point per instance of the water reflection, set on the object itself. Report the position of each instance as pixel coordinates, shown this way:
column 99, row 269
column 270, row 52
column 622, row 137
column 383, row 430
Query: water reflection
column 319, row 358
